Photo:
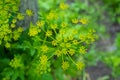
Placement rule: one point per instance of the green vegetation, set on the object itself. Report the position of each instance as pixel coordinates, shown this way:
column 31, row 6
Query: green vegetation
column 62, row 43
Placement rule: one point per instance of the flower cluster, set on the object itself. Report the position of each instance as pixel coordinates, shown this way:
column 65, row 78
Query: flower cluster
column 81, row 20
column 29, row 12
column 43, row 65
column 33, row 30
column 57, row 41
column 63, row 6
column 16, row 62
column 8, row 23
column 65, row 65
column 57, row 36
column 80, row 65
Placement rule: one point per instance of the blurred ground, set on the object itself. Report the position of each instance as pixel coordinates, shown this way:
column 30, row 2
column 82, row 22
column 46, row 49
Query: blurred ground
column 99, row 71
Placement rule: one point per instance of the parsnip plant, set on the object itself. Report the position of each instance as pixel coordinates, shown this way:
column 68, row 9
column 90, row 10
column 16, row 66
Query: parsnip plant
column 58, row 40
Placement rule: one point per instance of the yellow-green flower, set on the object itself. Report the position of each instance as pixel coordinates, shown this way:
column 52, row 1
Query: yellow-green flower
column 62, row 44
column 54, row 43
column 74, row 32
column 82, row 37
column 15, row 8
column 70, row 37
column 43, row 65
column 91, row 37
column 20, row 29
column 13, row 25
column 16, row 36
column 66, row 39
column 44, row 48
column 54, row 26
column 80, row 65
column 7, row 45
column 59, row 38
column 14, row 21
column 29, row 12
column 33, row 30
column 62, row 31
column 48, row 33
column 68, row 45
column 43, row 60
column 84, row 21
column 71, row 52
column 20, row 16
column 63, row 6
column 16, row 62
column 52, row 15
column 58, row 53
column 64, row 51
column 63, row 24
column 75, row 42
column 82, row 50
column 6, row 38
column 65, row 65
column 75, row 21
column 40, row 23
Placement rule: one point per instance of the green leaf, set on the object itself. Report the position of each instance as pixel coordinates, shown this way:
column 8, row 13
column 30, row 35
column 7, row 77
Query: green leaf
column 32, row 52
column 15, row 75
column 116, row 61
column 46, row 77
column 59, row 74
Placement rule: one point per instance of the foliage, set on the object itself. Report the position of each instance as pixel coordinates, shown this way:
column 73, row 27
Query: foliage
column 55, row 45
column 114, row 9
column 114, row 61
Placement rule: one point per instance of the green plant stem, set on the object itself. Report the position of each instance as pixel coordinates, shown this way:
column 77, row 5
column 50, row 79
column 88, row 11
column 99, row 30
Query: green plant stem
column 44, row 40
column 71, row 59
